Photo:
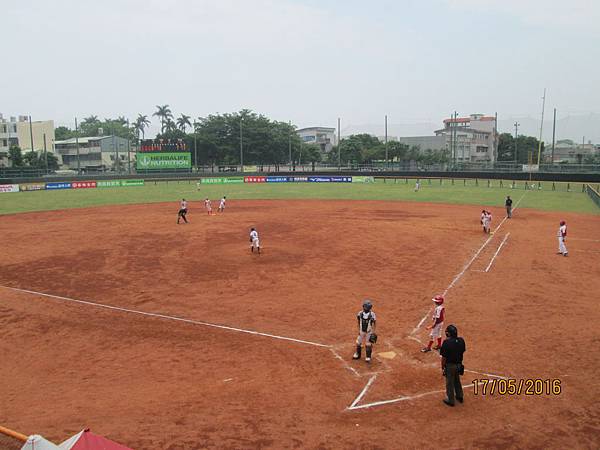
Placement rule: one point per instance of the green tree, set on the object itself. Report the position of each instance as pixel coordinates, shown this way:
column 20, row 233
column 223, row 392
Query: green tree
column 163, row 113
column 15, row 156
column 526, row 146
column 183, row 122
column 63, row 133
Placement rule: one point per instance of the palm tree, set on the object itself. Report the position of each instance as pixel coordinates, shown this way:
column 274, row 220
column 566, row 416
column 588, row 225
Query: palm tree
column 91, row 120
column 170, row 126
column 140, row 124
column 184, row 121
column 164, row 113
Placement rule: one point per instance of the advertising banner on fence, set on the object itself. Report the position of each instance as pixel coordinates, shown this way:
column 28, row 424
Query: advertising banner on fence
column 58, row 185
column 132, row 183
column 83, row 184
column 148, row 161
column 530, row 167
column 212, row 180
column 250, row 169
column 233, row 180
column 363, row 179
column 341, row 179
column 9, row 188
column 297, row 179
column 32, row 187
column 277, row 179
column 108, row 183
column 255, row 179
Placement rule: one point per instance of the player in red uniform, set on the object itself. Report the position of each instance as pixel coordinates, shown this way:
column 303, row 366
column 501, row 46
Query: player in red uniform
column 436, row 325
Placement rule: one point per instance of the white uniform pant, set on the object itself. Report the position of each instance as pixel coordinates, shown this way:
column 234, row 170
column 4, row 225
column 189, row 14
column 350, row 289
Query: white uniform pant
column 562, row 248
column 255, row 243
column 363, row 337
column 436, row 331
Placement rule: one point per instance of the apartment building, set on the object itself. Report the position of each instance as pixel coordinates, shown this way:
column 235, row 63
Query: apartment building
column 98, row 153
column 322, row 136
column 18, row 131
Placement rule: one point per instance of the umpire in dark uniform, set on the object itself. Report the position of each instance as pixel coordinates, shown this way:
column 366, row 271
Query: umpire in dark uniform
column 452, row 367
column 508, row 204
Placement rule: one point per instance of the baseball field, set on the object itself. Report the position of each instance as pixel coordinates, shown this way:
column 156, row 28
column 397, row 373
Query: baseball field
column 166, row 336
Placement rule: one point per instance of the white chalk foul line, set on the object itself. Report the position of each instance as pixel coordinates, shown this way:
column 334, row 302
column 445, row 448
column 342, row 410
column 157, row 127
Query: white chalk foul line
column 487, row 269
column 466, row 267
column 163, row 316
column 363, row 392
column 400, row 399
column 344, row 362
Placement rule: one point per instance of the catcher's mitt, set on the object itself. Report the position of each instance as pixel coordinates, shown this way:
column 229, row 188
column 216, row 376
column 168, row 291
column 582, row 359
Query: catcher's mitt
column 373, row 338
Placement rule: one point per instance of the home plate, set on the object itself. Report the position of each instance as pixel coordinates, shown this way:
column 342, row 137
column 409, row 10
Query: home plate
column 387, row 355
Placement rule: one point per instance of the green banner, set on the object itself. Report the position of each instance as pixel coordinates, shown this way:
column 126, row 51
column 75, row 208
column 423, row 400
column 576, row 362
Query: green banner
column 213, row 180
column 363, row 179
column 119, row 183
column 132, row 182
column 233, row 180
column 164, row 161
column 108, row 183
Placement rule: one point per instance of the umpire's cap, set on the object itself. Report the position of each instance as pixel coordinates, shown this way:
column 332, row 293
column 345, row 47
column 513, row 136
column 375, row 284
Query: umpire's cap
column 452, row 330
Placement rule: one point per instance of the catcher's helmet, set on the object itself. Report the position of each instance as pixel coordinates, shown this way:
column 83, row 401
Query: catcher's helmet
column 438, row 299
column 452, row 330
column 367, row 305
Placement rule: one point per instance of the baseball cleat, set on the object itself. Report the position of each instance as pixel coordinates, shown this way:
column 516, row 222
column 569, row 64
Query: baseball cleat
column 368, row 359
column 437, row 347
column 356, row 356
column 425, row 349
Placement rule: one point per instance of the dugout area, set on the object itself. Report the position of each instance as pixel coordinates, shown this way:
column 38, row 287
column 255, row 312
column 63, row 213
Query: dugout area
column 157, row 382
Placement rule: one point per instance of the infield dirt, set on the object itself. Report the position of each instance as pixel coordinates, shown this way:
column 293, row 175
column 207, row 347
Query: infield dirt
column 155, row 383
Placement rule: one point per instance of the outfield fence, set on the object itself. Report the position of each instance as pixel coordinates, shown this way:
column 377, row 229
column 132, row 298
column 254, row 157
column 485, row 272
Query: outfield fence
column 593, row 193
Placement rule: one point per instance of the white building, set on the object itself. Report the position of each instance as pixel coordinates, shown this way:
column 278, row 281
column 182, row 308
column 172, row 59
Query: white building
column 95, row 153
column 471, row 139
column 321, row 136
column 18, row 132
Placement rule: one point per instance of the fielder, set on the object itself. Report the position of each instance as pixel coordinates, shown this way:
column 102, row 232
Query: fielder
column 562, row 238
column 222, row 204
column 366, row 331
column 254, row 241
column 417, row 186
column 436, row 325
column 208, row 206
column 182, row 211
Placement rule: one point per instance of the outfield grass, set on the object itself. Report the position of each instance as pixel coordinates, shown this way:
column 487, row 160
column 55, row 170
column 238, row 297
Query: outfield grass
column 545, row 199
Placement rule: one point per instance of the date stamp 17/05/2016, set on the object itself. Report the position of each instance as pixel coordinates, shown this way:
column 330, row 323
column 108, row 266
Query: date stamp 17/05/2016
column 514, row 386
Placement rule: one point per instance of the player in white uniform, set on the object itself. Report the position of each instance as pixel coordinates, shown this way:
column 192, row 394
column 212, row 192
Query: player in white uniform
column 562, row 238
column 417, row 186
column 182, row 211
column 486, row 220
column 254, row 241
column 366, row 328
column 436, row 325
column 222, row 204
column 208, row 206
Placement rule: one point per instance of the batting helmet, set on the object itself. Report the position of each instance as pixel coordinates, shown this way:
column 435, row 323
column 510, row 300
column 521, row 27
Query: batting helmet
column 438, row 299
column 367, row 305
column 452, row 330
column 562, row 222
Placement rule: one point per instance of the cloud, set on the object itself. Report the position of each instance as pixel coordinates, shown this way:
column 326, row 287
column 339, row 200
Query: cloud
column 582, row 16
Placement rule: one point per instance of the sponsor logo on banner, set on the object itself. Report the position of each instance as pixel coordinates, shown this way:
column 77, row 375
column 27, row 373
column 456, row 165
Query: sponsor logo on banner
column 255, row 179
column 211, row 180
column 298, row 179
column 164, row 161
column 341, row 179
column 319, row 179
column 9, row 188
column 83, row 184
column 108, row 183
column 132, row 182
column 233, row 180
column 250, row 169
column 363, row 179
column 32, row 187
column 58, row 185
column 277, row 179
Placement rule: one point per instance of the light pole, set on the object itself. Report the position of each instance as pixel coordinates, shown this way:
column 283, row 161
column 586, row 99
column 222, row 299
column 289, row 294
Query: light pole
column 241, row 147
column 386, row 143
column 77, row 147
column 517, row 125
column 290, row 143
column 339, row 148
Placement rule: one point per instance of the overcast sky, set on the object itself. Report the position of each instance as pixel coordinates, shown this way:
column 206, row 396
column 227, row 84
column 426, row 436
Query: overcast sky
column 308, row 61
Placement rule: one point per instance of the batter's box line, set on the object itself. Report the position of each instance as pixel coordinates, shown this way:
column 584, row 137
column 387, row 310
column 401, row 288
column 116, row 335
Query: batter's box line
column 355, row 405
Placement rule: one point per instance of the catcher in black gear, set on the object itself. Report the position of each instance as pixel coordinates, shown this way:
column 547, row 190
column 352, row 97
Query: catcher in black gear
column 366, row 331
